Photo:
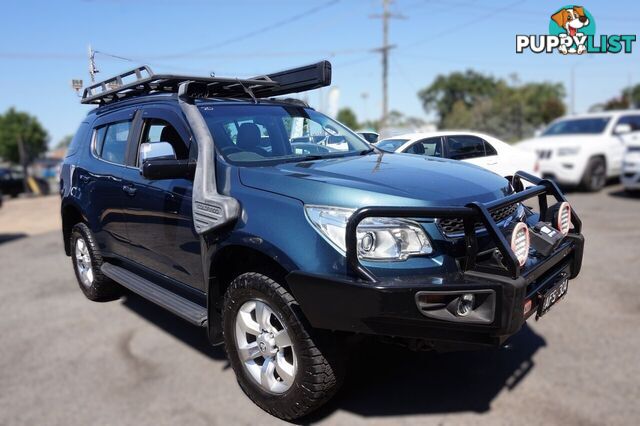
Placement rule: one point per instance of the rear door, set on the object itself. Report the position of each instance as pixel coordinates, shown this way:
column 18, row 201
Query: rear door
column 159, row 217
column 98, row 178
column 620, row 142
column 471, row 149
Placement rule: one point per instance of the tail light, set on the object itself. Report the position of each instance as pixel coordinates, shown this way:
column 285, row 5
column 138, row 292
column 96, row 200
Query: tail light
column 520, row 242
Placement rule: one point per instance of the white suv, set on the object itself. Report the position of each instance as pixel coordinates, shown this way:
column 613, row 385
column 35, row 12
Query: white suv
column 587, row 149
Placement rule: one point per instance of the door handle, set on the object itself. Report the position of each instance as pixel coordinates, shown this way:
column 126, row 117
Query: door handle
column 129, row 189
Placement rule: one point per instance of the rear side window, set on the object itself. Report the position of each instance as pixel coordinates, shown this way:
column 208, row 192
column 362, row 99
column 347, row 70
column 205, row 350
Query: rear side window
column 489, row 149
column 464, row 147
column 111, row 142
column 76, row 142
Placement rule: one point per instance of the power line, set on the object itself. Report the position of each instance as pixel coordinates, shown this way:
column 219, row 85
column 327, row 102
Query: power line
column 255, row 32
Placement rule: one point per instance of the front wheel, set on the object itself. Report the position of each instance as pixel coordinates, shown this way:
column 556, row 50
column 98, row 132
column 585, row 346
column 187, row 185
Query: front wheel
column 281, row 363
column 595, row 175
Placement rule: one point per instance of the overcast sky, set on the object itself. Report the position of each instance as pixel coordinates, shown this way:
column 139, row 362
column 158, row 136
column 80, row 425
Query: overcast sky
column 43, row 46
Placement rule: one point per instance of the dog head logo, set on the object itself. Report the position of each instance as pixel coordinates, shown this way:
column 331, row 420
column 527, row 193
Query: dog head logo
column 572, row 30
column 574, row 23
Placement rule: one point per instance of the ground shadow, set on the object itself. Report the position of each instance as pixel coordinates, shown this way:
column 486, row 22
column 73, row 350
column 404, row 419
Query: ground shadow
column 621, row 193
column 5, row 238
column 194, row 336
column 387, row 380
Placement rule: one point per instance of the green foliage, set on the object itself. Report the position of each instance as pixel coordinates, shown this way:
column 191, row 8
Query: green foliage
column 477, row 102
column 630, row 97
column 466, row 88
column 347, row 117
column 16, row 126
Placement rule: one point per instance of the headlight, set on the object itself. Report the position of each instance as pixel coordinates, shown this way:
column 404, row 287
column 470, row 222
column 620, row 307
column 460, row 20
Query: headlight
column 378, row 238
column 563, row 152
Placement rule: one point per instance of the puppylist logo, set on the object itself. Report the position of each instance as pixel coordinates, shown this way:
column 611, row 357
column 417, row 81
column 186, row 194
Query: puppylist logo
column 572, row 30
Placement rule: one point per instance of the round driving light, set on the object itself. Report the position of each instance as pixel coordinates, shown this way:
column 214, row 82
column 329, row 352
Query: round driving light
column 465, row 305
column 367, row 242
column 520, row 242
column 563, row 222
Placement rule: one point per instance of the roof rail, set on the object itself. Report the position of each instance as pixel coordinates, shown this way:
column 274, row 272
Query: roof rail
column 142, row 81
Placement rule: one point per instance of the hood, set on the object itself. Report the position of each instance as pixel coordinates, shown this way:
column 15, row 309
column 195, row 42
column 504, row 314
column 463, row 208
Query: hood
column 561, row 141
column 379, row 180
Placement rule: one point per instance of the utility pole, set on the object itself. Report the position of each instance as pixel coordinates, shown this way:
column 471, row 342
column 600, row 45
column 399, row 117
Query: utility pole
column 384, row 50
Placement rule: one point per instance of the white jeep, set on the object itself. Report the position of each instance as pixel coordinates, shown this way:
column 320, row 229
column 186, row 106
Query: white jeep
column 585, row 150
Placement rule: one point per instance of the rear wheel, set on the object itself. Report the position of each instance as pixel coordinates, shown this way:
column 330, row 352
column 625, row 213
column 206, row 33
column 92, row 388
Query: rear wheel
column 595, row 176
column 281, row 363
column 87, row 262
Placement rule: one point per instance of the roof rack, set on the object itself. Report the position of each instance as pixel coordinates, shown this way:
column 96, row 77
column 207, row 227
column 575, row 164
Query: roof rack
column 142, row 81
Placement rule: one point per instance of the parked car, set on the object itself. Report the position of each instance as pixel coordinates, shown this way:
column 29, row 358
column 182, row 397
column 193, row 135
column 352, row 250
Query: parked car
column 369, row 136
column 631, row 168
column 11, row 182
column 168, row 190
column 585, row 150
column 475, row 148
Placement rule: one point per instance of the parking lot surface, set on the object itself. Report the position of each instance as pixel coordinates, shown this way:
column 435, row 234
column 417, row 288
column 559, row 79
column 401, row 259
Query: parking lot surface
column 67, row 361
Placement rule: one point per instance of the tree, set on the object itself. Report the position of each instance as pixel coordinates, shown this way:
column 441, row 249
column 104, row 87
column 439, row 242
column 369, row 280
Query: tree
column 20, row 128
column 465, row 87
column 347, row 117
column 510, row 111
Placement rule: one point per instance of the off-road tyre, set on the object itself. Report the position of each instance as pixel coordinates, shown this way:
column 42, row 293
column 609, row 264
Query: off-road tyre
column 320, row 361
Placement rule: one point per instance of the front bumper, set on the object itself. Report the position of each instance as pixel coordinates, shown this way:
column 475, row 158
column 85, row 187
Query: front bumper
column 389, row 307
column 563, row 170
column 631, row 172
column 412, row 307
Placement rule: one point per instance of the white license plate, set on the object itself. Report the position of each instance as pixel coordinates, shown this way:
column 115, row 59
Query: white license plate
column 552, row 296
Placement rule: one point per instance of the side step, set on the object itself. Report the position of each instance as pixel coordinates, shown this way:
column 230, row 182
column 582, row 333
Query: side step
column 178, row 305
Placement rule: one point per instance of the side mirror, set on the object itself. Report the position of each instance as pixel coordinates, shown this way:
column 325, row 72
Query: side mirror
column 622, row 129
column 537, row 133
column 161, row 168
column 158, row 161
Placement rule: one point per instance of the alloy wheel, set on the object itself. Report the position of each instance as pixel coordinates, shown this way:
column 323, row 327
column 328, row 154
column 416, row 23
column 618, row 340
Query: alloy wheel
column 264, row 347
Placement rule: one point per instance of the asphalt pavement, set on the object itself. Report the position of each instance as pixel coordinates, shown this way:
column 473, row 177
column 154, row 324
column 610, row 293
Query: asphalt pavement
column 67, row 361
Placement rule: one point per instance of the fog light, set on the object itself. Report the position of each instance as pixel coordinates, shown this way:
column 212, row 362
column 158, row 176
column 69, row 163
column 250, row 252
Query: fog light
column 563, row 221
column 520, row 242
column 465, row 304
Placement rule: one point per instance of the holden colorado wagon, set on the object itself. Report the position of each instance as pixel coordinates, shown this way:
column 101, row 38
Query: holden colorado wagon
column 192, row 192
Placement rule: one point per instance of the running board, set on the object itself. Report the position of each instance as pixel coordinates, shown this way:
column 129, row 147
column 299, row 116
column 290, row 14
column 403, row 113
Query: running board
column 162, row 297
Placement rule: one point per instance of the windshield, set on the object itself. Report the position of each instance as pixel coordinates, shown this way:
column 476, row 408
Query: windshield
column 390, row 145
column 258, row 134
column 578, row 126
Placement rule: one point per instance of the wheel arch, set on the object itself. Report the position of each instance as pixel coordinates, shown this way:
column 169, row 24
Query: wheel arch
column 232, row 260
column 71, row 214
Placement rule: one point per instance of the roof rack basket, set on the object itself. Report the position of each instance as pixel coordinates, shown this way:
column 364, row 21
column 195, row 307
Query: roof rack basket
column 142, row 81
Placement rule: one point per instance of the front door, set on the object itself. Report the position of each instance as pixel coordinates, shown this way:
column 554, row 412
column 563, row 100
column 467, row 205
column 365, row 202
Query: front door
column 159, row 218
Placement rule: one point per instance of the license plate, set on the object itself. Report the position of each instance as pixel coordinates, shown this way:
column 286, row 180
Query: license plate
column 552, row 296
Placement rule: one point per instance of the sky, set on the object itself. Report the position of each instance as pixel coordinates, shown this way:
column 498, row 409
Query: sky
column 43, row 45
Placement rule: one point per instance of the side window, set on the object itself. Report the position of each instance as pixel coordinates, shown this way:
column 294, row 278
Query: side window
column 430, row 146
column 631, row 120
column 464, row 147
column 156, row 130
column 79, row 136
column 489, row 149
column 111, row 142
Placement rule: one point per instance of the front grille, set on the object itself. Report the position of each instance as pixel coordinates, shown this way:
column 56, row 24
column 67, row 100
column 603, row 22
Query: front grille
column 544, row 154
column 633, row 148
column 455, row 226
